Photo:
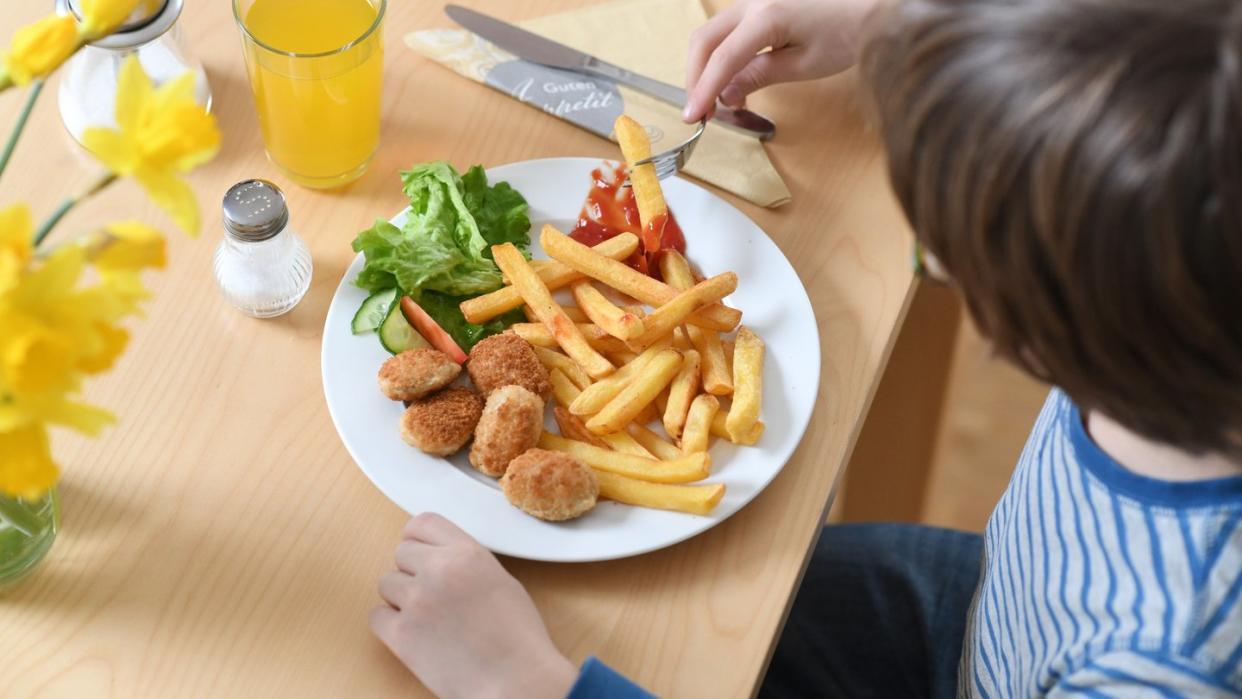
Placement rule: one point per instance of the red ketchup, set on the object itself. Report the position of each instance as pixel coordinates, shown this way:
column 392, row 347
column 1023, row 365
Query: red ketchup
column 610, row 210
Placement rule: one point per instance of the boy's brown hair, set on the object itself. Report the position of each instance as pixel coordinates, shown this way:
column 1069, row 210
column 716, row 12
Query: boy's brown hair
column 1076, row 167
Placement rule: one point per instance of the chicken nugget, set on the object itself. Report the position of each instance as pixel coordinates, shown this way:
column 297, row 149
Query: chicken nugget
column 442, row 423
column 507, row 360
column 417, row 372
column 511, row 423
column 550, row 485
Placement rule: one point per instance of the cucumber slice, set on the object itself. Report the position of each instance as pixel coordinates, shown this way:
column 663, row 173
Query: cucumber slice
column 373, row 311
column 397, row 335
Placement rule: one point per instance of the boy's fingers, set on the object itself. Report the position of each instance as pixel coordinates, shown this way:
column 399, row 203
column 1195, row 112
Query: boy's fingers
column 737, row 50
column 703, row 42
column 764, row 69
column 395, row 588
column 383, row 623
column 412, row 555
column 431, row 528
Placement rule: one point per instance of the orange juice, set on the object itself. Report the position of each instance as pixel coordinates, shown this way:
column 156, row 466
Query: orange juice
column 316, row 69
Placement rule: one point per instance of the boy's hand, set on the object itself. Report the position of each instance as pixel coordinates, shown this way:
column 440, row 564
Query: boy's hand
column 809, row 39
column 461, row 623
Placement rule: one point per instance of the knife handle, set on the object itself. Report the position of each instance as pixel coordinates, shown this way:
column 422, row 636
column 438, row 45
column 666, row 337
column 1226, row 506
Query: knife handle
column 745, row 120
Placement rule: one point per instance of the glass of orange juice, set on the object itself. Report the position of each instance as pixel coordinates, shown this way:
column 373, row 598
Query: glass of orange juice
column 315, row 69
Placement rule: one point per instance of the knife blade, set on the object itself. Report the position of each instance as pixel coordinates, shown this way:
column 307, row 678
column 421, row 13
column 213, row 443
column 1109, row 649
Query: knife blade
column 532, row 47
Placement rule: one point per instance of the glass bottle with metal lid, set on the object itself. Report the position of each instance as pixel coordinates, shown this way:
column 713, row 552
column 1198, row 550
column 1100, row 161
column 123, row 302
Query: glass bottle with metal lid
column 262, row 266
column 89, row 80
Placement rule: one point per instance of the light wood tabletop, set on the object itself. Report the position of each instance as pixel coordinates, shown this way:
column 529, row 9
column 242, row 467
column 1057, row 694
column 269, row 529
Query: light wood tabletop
column 219, row 540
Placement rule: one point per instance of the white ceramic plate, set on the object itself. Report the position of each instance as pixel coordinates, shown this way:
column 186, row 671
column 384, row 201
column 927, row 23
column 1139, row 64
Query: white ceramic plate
column 719, row 238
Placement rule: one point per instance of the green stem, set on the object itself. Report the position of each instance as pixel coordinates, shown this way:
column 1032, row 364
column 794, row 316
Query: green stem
column 22, row 118
column 68, row 204
column 19, row 516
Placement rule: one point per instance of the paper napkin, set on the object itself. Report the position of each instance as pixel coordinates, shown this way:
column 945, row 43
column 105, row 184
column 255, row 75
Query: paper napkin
column 650, row 37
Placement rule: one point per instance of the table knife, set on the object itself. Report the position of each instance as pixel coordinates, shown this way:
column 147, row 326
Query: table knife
column 535, row 48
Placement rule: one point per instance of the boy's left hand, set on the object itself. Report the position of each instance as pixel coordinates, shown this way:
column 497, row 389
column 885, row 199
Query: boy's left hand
column 461, row 623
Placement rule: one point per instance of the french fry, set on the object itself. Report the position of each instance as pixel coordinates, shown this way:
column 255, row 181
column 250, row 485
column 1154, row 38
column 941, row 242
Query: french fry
column 616, row 322
column 717, row 373
column 554, row 274
column 598, row 394
column 693, row 499
column 663, row 320
column 699, row 423
column 536, row 293
column 624, row 443
column 728, row 346
column 637, row 394
column 627, row 280
column 652, row 442
column 719, row 430
column 676, row 270
column 648, row 415
column 680, row 394
column 747, row 384
column 555, row 360
column 681, row 341
column 563, row 389
column 538, row 335
column 636, row 146
column 684, row 469
column 572, row 427
column 575, row 314
column 621, row 358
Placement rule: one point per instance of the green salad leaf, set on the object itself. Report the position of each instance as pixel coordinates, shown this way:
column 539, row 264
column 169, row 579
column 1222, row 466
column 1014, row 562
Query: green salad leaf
column 442, row 250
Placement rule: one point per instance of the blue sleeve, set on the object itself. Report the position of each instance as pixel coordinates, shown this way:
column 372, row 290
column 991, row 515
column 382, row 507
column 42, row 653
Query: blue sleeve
column 598, row 680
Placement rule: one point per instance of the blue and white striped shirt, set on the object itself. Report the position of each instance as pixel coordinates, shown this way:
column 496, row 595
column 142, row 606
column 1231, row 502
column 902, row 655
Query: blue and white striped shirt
column 1099, row 582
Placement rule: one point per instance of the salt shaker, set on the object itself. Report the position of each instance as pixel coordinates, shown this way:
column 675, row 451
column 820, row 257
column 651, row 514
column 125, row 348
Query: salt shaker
column 89, row 82
column 262, row 266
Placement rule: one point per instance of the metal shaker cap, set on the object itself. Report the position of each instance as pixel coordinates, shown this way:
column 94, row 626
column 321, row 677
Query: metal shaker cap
column 254, row 210
column 148, row 22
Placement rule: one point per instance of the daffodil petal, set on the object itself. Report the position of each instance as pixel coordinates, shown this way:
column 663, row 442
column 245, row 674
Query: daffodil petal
column 173, row 196
column 130, row 245
column 102, row 17
column 179, row 89
column 80, row 417
column 27, row 469
column 39, row 48
column 112, row 148
column 134, row 91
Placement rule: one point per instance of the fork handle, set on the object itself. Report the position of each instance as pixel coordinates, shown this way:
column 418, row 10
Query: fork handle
column 742, row 119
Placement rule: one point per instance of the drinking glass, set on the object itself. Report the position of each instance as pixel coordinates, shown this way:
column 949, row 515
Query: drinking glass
column 316, row 69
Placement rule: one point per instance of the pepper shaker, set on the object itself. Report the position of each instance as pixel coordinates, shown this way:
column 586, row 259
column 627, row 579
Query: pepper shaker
column 262, row 266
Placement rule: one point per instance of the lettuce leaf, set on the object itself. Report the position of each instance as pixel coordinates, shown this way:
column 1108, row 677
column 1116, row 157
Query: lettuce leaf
column 441, row 254
column 447, row 313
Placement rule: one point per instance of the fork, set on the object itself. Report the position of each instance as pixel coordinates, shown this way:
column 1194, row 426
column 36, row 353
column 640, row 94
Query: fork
column 671, row 161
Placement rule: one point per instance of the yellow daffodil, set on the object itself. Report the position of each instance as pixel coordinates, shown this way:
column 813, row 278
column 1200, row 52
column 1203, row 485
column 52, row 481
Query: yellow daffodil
column 163, row 132
column 40, row 48
column 127, row 246
column 102, row 17
column 15, row 245
column 26, row 469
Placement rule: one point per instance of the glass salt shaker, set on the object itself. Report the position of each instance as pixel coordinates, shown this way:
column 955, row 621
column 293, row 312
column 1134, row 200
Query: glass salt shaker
column 89, row 81
column 262, row 266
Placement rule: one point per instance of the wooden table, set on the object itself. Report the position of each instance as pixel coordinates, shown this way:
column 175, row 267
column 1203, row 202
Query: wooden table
column 219, row 540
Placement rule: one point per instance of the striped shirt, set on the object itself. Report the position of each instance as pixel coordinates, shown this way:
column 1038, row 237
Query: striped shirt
column 1099, row 582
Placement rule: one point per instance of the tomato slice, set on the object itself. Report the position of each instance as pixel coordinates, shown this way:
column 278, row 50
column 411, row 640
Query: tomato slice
column 431, row 330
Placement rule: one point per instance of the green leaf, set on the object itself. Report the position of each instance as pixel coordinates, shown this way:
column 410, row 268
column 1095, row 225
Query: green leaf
column 446, row 311
column 444, row 245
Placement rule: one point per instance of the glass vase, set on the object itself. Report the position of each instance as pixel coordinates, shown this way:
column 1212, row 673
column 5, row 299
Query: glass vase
column 27, row 530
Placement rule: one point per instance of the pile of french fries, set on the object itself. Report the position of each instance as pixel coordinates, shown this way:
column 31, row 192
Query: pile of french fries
column 617, row 369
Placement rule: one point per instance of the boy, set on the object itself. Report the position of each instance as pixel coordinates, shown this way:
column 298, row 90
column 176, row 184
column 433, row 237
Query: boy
column 1075, row 167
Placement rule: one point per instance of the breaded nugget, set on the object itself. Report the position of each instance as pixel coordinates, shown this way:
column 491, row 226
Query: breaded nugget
column 512, row 422
column 442, row 423
column 507, row 360
column 417, row 372
column 550, row 485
